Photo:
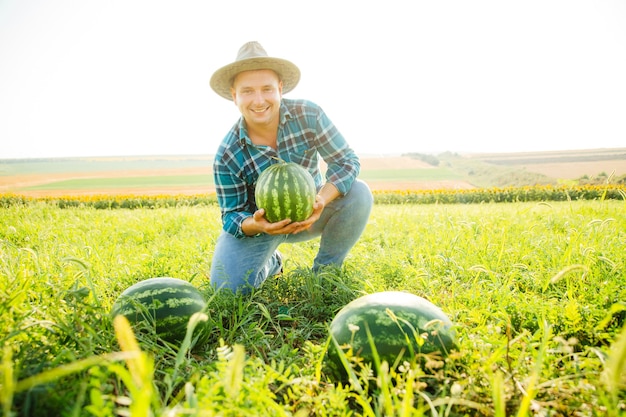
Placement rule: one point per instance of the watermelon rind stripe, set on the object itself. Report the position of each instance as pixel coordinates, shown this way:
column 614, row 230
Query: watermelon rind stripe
column 165, row 304
column 285, row 190
column 421, row 326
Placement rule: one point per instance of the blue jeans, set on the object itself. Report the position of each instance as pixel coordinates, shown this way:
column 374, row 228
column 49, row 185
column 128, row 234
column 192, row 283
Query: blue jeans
column 240, row 264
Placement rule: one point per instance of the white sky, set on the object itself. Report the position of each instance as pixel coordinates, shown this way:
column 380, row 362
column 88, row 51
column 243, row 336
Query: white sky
column 130, row 77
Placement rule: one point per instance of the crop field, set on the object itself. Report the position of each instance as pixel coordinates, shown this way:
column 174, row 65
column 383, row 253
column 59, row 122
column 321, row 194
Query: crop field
column 141, row 183
column 536, row 292
column 562, row 164
column 192, row 174
column 186, row 175
column 204, row 182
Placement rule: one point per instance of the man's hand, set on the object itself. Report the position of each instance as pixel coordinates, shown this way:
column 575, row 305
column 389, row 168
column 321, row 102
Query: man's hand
column 318, row 207
column 257, row 223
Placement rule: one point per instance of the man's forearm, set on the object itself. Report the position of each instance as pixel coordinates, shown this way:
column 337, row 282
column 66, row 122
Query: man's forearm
column 248, row 227
column 328, row 192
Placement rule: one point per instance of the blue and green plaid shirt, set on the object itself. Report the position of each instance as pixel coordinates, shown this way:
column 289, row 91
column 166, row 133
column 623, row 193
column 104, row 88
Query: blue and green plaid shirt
column 304, row 134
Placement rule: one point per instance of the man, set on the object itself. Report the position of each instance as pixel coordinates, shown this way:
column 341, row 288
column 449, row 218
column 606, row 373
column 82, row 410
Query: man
column 270, row 129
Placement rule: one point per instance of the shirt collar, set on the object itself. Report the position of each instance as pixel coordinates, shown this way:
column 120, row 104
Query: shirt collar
column 285, row 114
column 243, row 132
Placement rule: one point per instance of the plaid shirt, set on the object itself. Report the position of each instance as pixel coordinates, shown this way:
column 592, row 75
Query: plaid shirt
column 304, row 134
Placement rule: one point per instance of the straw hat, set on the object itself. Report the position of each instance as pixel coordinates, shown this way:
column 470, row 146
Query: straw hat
column 252, row 56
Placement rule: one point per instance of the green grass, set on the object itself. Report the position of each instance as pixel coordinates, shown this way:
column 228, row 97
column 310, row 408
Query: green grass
column 537, row 293
column 125, row 182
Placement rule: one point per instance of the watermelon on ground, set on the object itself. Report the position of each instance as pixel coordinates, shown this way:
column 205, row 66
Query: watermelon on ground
column 163, row 304
column 285, row 190
column 399, row 323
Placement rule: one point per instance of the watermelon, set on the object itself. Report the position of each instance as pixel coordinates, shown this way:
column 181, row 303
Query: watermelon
column 161, row 304
column 285, row 190
column 399, row 323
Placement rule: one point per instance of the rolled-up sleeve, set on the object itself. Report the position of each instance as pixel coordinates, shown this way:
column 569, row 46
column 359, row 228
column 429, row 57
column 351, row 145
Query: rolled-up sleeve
column 232, row 194
column 343, row 163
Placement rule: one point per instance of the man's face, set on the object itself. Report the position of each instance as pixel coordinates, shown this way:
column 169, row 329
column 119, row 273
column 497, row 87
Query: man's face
column 257, row 94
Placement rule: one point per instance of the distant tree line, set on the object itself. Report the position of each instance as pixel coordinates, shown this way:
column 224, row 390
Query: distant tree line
column 601, row 178
column 427, row 158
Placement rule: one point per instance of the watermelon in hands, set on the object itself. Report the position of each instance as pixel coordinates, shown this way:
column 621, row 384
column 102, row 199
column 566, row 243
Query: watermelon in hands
column 285, row 190
column 164, row 304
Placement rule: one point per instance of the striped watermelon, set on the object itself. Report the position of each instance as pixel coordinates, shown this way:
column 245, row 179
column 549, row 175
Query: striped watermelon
column 285, row 190
column 162, row 304
column 399, row 323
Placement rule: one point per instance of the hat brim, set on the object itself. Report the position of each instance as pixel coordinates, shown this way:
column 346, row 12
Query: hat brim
column 221, row 79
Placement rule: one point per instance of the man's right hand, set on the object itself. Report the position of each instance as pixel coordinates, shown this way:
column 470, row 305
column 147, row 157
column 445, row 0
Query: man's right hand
column 257, row 223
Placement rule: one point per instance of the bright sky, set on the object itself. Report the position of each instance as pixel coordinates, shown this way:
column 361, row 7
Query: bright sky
column 131, row 77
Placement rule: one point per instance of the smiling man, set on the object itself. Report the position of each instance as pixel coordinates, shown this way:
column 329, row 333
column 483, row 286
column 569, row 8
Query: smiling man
column 272, row 128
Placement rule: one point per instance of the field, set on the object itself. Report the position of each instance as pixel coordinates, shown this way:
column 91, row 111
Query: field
column 188, row 175
column 562, row 164
column 536, row 291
